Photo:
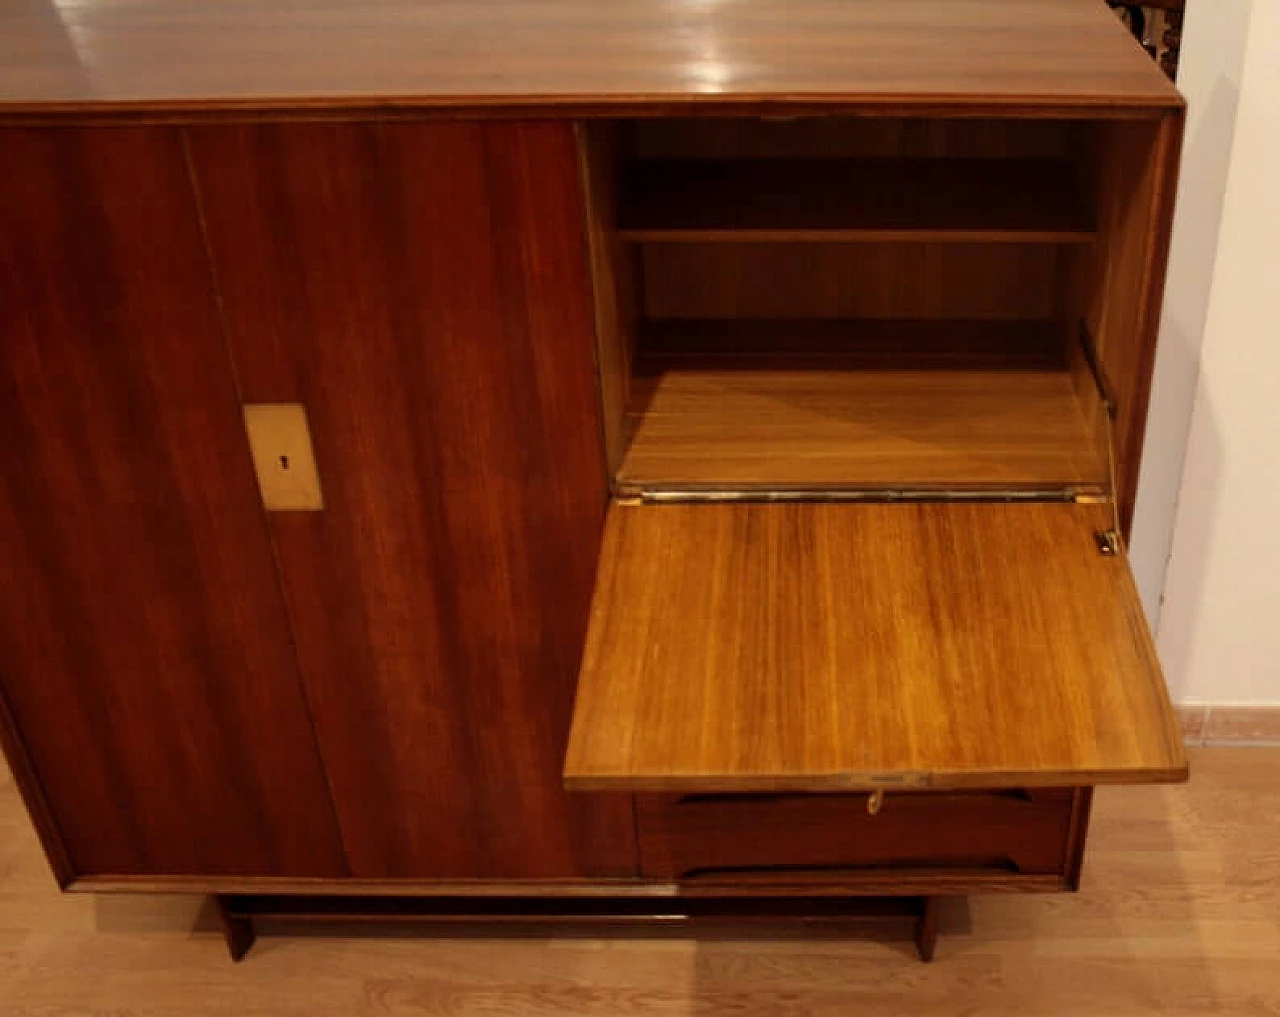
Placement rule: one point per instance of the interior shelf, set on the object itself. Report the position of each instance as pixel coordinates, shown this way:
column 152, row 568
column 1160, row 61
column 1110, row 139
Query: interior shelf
column 859, row 405
column 853, row 200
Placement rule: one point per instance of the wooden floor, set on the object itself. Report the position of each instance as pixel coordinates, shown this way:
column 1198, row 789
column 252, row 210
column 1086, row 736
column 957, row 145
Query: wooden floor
column 1180, row 914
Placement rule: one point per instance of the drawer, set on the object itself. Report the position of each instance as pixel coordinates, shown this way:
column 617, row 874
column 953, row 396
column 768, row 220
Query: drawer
column 709, row 836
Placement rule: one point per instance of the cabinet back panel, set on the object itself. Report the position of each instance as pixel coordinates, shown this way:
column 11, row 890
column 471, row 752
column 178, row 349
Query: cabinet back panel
column 423, row 290
column 842, row 137
column 972, row 281
column 143, row 641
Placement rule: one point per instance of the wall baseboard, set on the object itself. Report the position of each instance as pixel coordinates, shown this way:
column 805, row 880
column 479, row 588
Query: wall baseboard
column 1209, row 724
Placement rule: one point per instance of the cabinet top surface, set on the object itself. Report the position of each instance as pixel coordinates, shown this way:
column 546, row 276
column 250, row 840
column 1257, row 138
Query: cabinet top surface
column 569, row 55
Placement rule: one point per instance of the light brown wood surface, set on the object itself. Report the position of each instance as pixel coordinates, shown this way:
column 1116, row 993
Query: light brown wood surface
column 615, row 280
column 1136, row 180
column 857, row 405
column 744, row 646
column 1178, row 915
column 179, row 53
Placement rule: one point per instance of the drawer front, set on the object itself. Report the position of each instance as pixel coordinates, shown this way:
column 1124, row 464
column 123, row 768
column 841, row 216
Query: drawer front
column 718, row 836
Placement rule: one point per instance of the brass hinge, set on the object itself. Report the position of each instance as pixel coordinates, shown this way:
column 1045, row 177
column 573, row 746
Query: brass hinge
column 1110, row 408
column 677, row 495
column 1108, row 543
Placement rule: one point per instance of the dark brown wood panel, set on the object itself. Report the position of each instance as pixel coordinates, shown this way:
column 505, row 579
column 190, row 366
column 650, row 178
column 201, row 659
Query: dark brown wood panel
column 867, row 344
column 855, row 200
column 728, row 837
column 570, row 53
column 144, row 649
column 975, row 281
column 423, row 291
column 833, row 137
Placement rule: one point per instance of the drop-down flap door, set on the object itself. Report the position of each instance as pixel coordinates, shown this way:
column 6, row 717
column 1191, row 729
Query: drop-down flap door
column 821, row 646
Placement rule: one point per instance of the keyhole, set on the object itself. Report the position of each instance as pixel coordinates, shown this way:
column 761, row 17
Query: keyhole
column 284, row 462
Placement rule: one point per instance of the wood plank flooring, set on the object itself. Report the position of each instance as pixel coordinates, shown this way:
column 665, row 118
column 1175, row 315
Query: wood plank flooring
column 1179, row 914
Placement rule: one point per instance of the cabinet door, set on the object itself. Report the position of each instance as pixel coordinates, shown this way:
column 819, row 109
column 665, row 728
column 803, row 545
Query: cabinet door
column 819, row 647
column 422, row 290
column 144, row 651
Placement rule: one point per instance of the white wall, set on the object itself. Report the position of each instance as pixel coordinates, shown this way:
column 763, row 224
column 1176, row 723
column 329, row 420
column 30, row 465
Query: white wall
column 1212, row 61
column 1219, row 631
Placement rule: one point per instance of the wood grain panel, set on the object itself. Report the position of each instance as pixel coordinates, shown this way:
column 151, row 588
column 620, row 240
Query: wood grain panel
column 567, row 54
column 853, row 200
column 860, row 405
column 423, row 291
column 1137, row 179
column 728, row 838
column 833, row 137
column 615, row 279
column 757, row 647
column 985, row 281
column 144, row 648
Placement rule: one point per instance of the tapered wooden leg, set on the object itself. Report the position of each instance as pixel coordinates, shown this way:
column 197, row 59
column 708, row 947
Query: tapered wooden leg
column 927, row 928
column 238, row 932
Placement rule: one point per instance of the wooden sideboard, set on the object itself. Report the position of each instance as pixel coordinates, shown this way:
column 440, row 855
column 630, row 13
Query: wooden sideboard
column 533, row 459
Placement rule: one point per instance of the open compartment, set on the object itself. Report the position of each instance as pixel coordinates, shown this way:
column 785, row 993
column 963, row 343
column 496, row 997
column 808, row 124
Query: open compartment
column 866, row 304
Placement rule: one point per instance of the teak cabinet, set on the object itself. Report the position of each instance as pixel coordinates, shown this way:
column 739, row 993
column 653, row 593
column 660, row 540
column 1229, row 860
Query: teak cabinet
column 614, row 488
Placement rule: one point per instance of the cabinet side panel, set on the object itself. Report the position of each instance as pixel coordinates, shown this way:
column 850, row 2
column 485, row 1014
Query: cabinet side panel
column 1134, row 171
column 616, row 281
column 423, row 290
column 144, row 650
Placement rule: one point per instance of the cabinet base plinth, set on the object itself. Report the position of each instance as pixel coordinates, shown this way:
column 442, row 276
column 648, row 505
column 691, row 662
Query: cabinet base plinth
column 237, row 913
column 927, row 927
column 237, row 930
